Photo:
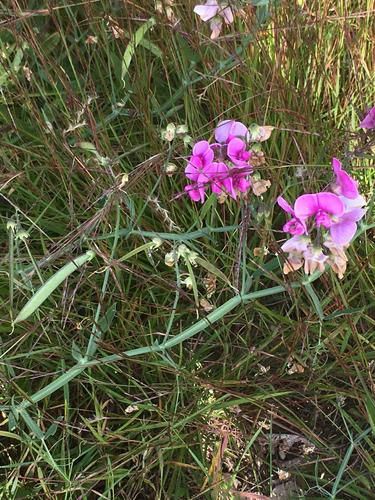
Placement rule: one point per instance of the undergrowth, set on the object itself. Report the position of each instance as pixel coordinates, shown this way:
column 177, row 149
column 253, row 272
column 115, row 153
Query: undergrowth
column 274, row 396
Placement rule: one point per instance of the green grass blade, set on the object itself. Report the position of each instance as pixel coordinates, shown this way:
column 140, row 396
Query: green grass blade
column 50, row 285
column 133, row 44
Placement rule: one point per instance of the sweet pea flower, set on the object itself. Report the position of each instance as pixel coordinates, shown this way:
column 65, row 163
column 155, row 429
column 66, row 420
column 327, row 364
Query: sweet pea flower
column 329, row 212
column 215, row 13
column 237, row 182
column 344, row 185
column 295, row 225
column 295, row 247
column 325, row 207
column 229, row 129
column 343, row 231
column 196, row 191
column 369, row 120
column 237, row 152
column 337, row 258
column 217, row 177
column 314, row 259
column 202, row 157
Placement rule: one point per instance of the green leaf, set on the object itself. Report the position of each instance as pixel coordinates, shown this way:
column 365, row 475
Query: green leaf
column 9, row 435
column 105, row 322
column 315, row 300
column 133, row 44
column 49, row 286
column 370, row 407
column 213, row 270
column 76, row 352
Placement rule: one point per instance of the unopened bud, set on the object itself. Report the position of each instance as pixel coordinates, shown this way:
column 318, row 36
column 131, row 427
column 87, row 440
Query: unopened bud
column 22, row 235
column 170, row 169
column 11, row 225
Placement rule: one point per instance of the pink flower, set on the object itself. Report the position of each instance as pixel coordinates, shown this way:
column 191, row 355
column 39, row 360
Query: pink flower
column 343, row 231
column 215, row 13
column 295, row 225
column 326, row 207
column 201, row 158
column 229, row 129
column 296, row 244
column 344, row 185
column 217, row 176
column 369, row 120
column 196, row 192
column 314, row 259
column 237, row 181
column 331, row 212
column 237, row 152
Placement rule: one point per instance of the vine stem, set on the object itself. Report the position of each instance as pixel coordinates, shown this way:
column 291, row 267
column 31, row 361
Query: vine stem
column 197, row 327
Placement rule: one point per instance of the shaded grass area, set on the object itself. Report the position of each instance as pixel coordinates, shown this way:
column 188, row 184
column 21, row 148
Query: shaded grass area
column 208, row 418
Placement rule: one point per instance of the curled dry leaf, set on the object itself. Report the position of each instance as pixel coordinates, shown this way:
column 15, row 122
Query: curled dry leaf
column 210, row 284
column 206, row 306
column 266, row 132
column 294, row 367
column 260, row 186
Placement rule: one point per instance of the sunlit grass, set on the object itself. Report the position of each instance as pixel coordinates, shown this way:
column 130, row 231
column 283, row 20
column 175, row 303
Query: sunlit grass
column 203, row 418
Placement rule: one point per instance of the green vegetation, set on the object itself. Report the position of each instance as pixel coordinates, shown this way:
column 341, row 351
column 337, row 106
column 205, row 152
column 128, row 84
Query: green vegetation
column 271, row 389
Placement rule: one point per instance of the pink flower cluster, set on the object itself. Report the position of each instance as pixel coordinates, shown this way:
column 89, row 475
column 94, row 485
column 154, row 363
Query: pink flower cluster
column 224, row 166
column 322, row 225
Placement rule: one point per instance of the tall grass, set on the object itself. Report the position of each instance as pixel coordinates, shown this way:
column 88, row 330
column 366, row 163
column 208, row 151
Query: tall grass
column 208, row 417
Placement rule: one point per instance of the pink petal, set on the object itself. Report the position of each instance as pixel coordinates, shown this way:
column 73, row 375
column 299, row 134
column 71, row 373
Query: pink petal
column 222, row 131
column 343, row 232
column 191, row 171
column 236, row 146
column 296, row 244
column 306, row 205
column 354, row 215
column 227, row 14
column 243, row 185
column 357, row 202
column 239, row 130
column 336, row 165
column 206, row 12
column 200, row 148
column 216, row 187
column 228, row 184
column 207, row 157
column 369, row 120
column 285, row 205
column 349, row 187
column 330, row 203
column 193, row 192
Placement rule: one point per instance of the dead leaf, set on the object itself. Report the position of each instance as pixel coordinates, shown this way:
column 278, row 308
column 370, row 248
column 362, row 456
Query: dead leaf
column 266, row 131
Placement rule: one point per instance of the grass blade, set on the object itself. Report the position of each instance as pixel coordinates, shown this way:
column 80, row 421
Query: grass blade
column 49, row 286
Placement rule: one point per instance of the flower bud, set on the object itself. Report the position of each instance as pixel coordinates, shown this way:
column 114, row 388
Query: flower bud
column 169, row 133
column 157, row 242
column 11, row 225
column 170, row 169
column 22, row 235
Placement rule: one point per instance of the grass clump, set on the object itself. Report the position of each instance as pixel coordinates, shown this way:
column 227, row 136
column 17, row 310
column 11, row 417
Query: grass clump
column 274, row 391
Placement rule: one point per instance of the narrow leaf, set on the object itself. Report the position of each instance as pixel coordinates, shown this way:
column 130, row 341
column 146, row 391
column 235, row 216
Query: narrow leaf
column 213, row 270
column 50, row 285
column 133, row 44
